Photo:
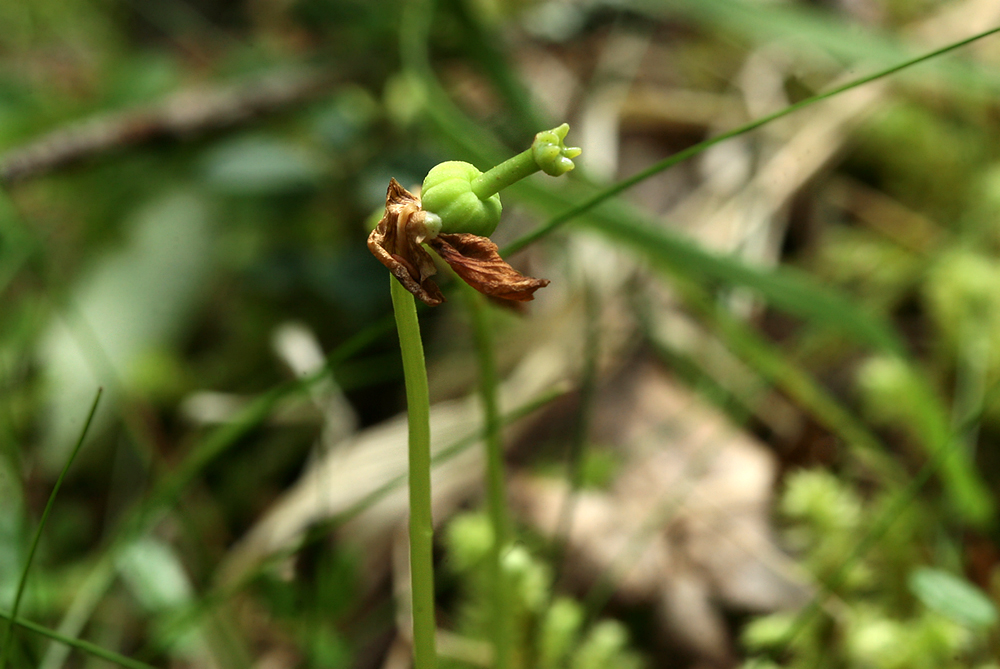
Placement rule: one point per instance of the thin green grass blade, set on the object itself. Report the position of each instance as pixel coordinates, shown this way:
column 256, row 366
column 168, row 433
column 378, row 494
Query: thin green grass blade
column 22, row 582
column 776, row 369
column 485, row 45
column 213, row 446
column 580, row 437
column 19, row 243
column 79, row 644
column 784, row 288
column 223, row 438
column 607, row 193
column 877, row 530
column 971, row 395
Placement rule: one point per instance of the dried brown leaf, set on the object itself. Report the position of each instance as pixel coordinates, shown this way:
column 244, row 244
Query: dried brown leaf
column 396, row 242
column 477, row 261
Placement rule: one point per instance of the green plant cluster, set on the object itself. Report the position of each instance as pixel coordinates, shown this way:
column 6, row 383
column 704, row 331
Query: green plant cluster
column 888, row 611
column 551, row 631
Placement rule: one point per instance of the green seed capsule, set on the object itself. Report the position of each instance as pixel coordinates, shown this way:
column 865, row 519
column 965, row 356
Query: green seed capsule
column 447, row 192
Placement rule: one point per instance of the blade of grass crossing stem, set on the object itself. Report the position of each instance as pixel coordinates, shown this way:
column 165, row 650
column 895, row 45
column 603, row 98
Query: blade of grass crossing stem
column 9, row 630
column 222, row 439
column 79, row 644
column 503, row 632
column 421, row 522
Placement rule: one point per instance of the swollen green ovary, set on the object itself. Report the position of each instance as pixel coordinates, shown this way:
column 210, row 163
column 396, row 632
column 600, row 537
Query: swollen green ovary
column 447, row 192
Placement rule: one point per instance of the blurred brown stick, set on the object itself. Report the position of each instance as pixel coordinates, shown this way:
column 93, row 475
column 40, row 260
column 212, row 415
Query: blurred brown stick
column 181, row 116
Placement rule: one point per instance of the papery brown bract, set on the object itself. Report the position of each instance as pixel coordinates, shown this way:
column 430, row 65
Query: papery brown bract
column 396, row 242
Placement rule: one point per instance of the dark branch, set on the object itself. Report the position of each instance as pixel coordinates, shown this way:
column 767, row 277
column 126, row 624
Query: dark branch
column 181, row 116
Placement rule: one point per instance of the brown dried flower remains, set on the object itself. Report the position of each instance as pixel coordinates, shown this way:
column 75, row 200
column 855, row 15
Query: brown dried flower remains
column 397, row 241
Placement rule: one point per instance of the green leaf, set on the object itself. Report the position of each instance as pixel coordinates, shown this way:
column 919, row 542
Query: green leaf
column 953, row 597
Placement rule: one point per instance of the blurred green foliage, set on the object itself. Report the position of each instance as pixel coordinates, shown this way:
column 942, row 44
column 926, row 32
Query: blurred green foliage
column 889, row 611
column 551, row 634
column 162, row 270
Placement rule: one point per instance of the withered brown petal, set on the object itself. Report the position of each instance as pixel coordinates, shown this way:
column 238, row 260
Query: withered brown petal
column 396, row 243
column 477, row 261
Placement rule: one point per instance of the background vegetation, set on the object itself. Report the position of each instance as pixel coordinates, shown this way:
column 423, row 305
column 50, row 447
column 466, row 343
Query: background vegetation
column 751, row 422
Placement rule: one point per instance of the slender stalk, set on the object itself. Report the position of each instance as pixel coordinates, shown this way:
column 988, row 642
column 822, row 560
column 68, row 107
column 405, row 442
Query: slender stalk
column 186, row 619
column 506, row 173
column 9, row 631
column 496, row 498
column 581, row 428
column 421, row 523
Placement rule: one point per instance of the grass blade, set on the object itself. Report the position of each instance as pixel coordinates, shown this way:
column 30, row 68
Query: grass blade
column 170, row 486
column 79, row 644
column 9, row 631
column 623, row 185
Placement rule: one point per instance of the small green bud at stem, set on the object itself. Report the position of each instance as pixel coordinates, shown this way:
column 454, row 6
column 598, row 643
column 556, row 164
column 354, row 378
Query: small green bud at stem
column 462, row 199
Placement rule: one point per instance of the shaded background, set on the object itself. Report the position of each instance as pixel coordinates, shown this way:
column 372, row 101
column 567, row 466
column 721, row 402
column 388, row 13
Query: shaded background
column 766, row 373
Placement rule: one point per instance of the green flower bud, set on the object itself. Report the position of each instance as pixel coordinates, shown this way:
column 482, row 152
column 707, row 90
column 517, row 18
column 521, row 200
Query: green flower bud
column 447, row 193
column 551, row 153
column 467, row 200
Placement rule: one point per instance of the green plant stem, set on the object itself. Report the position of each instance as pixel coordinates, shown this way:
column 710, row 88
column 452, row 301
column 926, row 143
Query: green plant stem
column 9, row 631
column 496, row 497
column 421, row 521
column 506, row 173
column 185, row 620
column 581, row 428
